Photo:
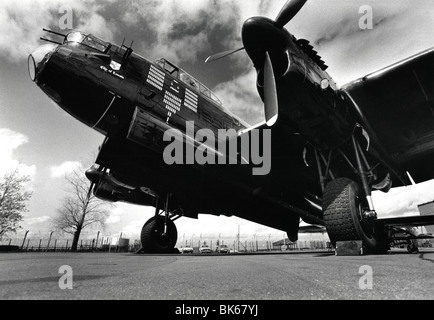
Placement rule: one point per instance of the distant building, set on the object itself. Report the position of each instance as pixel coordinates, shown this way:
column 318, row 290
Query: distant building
column 427, row 209
column 286, row 242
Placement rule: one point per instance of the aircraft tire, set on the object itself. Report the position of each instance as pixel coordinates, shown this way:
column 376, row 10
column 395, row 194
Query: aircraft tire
column 342, row 216
column 152, row 238
column 412, row 248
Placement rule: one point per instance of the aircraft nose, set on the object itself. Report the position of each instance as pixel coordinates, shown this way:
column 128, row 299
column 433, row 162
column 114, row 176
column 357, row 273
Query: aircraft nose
column 38, row 58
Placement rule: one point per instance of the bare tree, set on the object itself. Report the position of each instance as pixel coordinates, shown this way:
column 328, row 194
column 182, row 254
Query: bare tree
column 80, row 209
column 13, row 201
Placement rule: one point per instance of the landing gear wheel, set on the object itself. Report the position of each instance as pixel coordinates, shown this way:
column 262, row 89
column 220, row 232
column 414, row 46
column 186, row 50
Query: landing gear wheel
column 412, row 248
column 153, row 238
column 343, row 208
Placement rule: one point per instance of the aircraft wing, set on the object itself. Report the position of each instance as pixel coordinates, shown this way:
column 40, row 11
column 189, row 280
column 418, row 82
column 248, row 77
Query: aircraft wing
column 397, row 104
column 312, row 229
column 425, row 220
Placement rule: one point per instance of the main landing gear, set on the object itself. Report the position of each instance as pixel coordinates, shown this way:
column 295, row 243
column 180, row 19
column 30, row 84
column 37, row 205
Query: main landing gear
column 348, row 210
column 159, row 234
column 404, row 236
column 347, row 216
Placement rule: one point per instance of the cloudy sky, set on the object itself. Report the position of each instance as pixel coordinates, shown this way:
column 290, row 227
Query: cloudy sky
column 47, row 143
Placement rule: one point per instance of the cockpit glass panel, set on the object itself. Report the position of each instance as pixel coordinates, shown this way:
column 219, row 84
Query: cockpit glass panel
column 87, row 40
column 75, row 37
column 95, row 43
column 187, row 79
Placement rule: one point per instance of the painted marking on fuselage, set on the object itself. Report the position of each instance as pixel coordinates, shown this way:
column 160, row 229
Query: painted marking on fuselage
column 112, row 72
column 191, row 100
column 173, row 103
column 156, row 78
column 174, row 85
column 115, row 66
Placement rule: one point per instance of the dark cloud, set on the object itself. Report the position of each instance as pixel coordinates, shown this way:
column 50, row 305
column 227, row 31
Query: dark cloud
column 188, row 27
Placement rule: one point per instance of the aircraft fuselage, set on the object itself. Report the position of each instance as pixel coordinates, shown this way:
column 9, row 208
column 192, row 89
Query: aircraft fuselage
column 133, row 101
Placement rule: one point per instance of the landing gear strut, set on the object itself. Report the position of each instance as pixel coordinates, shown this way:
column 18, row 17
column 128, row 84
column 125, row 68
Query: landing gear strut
column 404, row 237
column 348, row 209
column 159, row 234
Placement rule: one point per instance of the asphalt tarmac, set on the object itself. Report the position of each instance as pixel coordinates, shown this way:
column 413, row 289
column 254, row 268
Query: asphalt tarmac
column 282, row 276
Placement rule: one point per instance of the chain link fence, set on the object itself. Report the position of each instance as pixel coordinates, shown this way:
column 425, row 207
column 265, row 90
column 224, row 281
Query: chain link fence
column 103, row 244
column 98, row 243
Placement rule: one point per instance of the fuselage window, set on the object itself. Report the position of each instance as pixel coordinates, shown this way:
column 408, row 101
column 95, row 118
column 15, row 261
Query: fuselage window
column 170, row 68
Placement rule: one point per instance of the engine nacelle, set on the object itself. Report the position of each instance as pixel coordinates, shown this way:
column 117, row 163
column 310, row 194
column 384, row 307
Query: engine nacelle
column 109, row 189
column 112, row 193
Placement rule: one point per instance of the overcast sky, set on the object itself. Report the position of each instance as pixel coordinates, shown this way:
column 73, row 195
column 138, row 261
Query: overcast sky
column 47, row 142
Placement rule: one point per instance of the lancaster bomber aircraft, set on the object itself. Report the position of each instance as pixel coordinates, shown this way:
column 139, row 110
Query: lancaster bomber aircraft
column 330, row 147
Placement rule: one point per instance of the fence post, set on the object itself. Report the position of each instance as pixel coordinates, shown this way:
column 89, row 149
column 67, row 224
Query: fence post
column 119, row 239
column 66, row 248
column 96, row 242
column 24, row 240
column 49, row 240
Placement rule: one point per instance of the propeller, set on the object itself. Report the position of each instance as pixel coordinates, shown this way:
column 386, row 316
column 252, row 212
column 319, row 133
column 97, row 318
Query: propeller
column 221, row 55
column 289, row 11
column 271, row 105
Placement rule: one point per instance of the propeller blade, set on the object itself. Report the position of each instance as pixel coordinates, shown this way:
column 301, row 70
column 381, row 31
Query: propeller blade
column 271, row 105
column 221, row 55
column 289, row 10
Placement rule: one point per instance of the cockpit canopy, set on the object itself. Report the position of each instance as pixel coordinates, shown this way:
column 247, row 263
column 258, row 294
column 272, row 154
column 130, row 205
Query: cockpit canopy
column 77, row 38
column 188, row 79
column 90, row 41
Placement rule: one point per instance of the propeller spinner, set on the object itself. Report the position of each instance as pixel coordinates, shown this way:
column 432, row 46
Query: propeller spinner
column 286, row 14
column 289, row 11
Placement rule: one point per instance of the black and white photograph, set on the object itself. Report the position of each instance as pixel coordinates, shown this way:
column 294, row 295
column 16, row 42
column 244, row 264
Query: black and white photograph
column 213, row 156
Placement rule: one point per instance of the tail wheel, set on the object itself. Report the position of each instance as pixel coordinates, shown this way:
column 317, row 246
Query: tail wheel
column 343, row 209
column 153, row 237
